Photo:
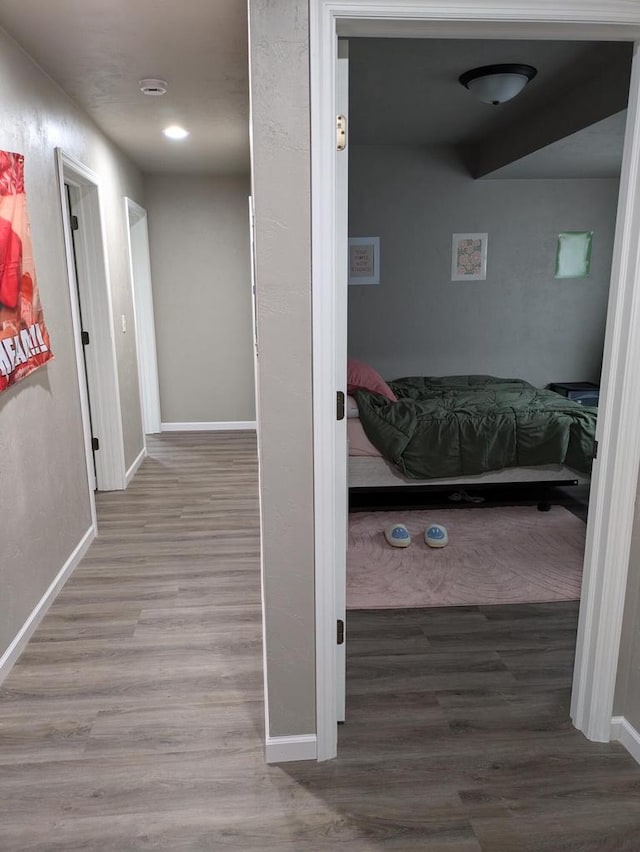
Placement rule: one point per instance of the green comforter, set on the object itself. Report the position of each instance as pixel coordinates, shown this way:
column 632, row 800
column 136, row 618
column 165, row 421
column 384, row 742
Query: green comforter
column 465, row 425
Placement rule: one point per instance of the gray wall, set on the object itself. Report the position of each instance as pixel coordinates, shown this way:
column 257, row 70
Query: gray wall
column 627, row 695
column 281, row 190
column 279, row 92
column 44, row 499
column 521, row 321
column 200, row 266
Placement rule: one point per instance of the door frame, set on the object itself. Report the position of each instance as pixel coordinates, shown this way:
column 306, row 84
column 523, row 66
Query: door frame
column 97, row 312
column 615, row 474
column 144, row 320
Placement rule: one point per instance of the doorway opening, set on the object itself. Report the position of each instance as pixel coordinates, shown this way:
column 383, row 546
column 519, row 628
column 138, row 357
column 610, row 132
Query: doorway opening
column 475, row 362
column 614, row 473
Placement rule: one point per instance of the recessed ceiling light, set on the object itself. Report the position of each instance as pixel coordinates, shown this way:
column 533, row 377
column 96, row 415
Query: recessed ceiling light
column 153, row 86
column 175, row 132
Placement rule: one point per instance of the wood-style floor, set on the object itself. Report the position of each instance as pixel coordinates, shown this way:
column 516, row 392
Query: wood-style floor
column 133, row 721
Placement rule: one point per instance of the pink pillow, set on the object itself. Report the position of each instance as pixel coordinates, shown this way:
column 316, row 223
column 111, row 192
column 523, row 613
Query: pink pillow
column 361, row 376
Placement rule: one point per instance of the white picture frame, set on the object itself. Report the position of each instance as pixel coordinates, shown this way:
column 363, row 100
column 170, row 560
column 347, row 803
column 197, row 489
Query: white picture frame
column 364, row 260
column 469, row 257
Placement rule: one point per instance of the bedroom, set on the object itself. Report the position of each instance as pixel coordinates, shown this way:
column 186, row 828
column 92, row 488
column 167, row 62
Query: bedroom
column 427, row 160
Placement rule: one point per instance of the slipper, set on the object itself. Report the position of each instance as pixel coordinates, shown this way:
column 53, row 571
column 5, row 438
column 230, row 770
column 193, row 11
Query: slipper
column 397, row 535
column 436, row 536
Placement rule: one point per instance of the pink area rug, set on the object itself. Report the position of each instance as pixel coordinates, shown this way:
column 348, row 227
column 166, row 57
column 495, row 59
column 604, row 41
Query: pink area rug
column 510, row 554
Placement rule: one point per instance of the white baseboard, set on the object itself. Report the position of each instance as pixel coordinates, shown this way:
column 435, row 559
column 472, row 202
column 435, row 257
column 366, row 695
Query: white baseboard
column 215, row 426
column 26, row 631
column 626, row 735
column 134, row 467
column 284, row 749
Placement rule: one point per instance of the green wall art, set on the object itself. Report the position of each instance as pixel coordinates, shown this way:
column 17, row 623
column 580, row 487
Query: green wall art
column 573, row 257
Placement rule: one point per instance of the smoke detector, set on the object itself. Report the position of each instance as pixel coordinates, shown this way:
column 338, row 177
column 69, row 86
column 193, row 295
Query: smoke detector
column 151, row 86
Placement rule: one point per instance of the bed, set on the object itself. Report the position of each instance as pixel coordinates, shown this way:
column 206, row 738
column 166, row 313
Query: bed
column 464, row 431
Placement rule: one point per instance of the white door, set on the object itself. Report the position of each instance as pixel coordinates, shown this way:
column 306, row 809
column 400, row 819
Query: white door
column 342, row 226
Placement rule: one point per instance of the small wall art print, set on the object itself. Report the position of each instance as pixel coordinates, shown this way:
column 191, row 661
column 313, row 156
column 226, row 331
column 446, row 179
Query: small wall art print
column 469, row 257
column 573, row 257
column 364, row 260
column 24, row 341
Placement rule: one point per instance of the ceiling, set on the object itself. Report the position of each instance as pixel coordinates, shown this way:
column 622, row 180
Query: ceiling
column 402, row 91
column 406, row 91
column 98, row 50
column 595, row 152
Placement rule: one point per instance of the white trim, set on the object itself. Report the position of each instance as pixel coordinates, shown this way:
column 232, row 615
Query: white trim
column 94, row 282
column 623, row 732
column 214, row 426
column 615, row 472
column 615, row 478
column 323, row 56
column 136, row 464
column 284, row 749
column 17, row 646
column 143, row 314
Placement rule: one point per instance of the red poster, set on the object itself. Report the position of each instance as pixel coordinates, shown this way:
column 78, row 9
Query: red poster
column 24, row 340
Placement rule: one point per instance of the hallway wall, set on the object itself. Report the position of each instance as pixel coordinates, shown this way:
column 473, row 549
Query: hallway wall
column 44, row 496
column 200, row 267
column 281, row 177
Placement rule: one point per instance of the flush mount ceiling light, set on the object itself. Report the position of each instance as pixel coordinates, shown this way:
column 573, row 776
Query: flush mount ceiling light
column 495, row 84
column 175, row 132
column 152, row 86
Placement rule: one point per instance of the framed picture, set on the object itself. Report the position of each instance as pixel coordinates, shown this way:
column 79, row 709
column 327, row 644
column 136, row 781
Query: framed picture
column 573, row 256
column 469, row 257
column 364, row 260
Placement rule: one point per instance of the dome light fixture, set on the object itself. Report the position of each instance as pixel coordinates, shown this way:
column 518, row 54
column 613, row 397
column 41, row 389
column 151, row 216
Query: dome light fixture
column 496, row 84
column 174, row 131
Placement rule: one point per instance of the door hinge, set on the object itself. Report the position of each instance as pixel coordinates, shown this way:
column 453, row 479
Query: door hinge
column 84, row 336
column 74, row 223
column 341, row 132
column 340, row 635
column 95, row 444
column 595, row 449
column 340, row 405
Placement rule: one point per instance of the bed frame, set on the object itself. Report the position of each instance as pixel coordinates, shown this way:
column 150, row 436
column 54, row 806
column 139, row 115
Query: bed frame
column 368, row 473
column 376, row 472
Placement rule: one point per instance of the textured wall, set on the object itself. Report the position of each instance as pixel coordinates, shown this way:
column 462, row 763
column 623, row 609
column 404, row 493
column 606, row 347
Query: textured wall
column 627, row 695
column 521, row 321
column 281, row 189
column 200, row 267
column 44, row 502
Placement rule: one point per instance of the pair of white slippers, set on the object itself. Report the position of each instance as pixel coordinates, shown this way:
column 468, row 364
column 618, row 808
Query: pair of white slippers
column 397, row 535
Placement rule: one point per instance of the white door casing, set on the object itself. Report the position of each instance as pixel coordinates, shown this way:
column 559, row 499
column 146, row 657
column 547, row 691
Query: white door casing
column 93, row 281
column 616, row 469
column 141, row 285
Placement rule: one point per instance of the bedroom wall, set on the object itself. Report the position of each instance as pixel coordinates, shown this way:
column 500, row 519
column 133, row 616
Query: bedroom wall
column 44, row 498
column 200, row 266
column 521, row 321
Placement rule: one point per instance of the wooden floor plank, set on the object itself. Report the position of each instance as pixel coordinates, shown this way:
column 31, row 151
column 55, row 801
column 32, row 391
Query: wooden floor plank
column 134, row 718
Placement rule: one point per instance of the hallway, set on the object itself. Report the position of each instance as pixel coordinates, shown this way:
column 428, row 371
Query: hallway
column 134, row 719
